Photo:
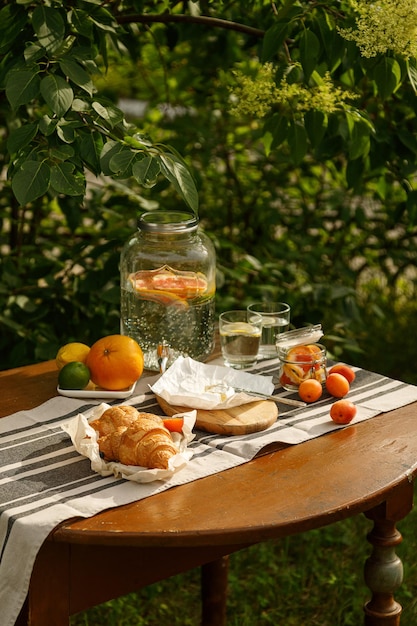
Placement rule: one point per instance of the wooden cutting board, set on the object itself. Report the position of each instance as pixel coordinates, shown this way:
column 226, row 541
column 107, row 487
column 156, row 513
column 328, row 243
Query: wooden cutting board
column 239, row 420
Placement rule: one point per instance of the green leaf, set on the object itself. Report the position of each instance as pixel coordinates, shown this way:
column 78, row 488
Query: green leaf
column 62, row 152
column 22, row 86
column 49, row 27
column 354, row 116
column 47, row 125
column 146, row 171
column 326, row 30
column 387, row 76
column 77, row 74
column 332, row 43
column 139, row 141
column 354, row 172
column 57, row 93
column 297, row 141
column 80, row 22
column 86, row 55
column 309, row 52
column 81, row 106
column 109, row 113
column 103, row 20
column 67, row 131
column 175, row 171
column 21, row 137
column 121, row 163
column 65, row 47
column 267, row 142
column 63, row 180
column 359, row 143
column 91, row 146
column 315, row 123
column 412, row 75
column 110, row 149
column 31, row 181
column 409, row 140
column 412, row 206
column 277, row 125
column 12, row 21
column 289, row 11
column 33, row 53
column 273, row 40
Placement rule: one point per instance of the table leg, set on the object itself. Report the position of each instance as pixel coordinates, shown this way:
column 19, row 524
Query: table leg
column 384, row 569
column 214, row 579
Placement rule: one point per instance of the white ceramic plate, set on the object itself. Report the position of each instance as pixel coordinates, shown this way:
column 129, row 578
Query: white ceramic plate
column 96, row 393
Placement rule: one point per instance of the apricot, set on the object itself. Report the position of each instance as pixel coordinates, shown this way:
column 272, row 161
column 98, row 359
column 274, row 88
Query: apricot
column 337, row 385
column 342, row 411
column 345, row 370
column 310, row 390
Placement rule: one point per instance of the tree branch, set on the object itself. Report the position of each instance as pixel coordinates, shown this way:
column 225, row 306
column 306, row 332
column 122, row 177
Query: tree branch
column 191, row 19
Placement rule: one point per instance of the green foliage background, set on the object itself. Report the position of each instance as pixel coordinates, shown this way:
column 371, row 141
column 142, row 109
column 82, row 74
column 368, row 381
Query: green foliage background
column 320, row 214
column 314, row 208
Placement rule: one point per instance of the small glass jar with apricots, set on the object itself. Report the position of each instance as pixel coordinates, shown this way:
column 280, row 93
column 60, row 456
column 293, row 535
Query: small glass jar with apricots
column 301, row 357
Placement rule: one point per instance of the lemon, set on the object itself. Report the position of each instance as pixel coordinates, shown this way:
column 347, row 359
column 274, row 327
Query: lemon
column 74, row 375
column 73, row 351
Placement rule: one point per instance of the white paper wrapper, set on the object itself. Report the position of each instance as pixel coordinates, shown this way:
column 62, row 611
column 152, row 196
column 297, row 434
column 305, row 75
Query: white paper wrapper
column 189, row 383
column 84, row 438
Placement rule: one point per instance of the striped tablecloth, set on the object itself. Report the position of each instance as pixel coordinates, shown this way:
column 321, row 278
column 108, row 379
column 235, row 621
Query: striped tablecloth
column 44, row 481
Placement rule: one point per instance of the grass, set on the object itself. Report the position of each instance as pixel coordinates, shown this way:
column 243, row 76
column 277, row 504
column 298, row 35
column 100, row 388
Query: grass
column 310, row 579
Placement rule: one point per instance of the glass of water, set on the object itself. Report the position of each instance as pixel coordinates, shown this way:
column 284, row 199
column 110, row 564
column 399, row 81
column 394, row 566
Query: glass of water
column 275, row 320
column 240, row 334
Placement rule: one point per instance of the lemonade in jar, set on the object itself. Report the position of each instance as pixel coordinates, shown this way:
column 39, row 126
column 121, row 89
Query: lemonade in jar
column 167, row 272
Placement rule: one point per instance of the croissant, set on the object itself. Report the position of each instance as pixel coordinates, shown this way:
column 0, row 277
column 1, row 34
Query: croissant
column 114, row 417
column 144, row 441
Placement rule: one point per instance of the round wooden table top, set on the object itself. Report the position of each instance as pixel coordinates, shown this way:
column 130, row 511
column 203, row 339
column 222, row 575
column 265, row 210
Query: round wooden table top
column 279, row 493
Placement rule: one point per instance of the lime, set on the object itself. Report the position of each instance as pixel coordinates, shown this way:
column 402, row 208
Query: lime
column 74, row 375
column 74, row 351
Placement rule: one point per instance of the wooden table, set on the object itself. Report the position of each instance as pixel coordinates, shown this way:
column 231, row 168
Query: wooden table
column 368, row 467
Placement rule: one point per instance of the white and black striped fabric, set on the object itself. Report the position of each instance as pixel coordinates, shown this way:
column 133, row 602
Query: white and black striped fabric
column 44, row 481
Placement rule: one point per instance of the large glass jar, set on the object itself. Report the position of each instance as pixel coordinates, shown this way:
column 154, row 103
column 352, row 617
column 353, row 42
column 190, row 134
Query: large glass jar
column 167, row 273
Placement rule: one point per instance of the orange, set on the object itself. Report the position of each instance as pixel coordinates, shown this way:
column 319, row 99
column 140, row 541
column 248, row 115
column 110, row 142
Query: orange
column 168, row 286
column 115, row 362
column 303, row 353
column 306, row 355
